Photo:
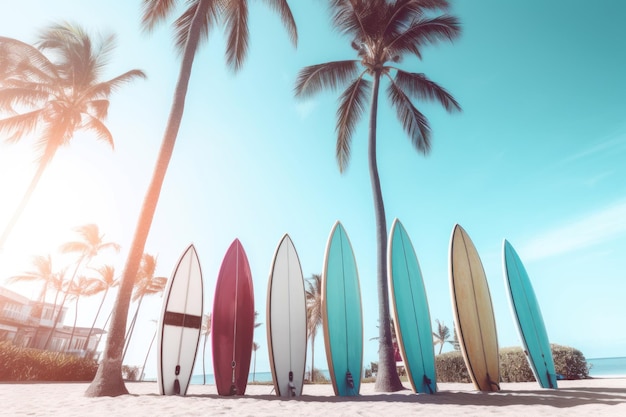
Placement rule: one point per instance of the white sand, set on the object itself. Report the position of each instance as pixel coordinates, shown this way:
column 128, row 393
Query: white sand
column 592, row 397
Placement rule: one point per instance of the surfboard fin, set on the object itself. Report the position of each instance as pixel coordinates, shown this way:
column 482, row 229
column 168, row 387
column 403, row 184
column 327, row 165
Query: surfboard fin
column 176, row 382
column 349, row 380
column 292, row 387
column 428, row 383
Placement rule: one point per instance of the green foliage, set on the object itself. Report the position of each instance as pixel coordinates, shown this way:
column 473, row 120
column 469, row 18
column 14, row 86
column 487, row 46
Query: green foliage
column 568, row 362
column 21, row 364
column 451, row 367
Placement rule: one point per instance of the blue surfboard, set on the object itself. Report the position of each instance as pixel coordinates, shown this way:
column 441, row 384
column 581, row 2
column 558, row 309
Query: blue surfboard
column 528, row 318
column 410, row 311
column 342, row 315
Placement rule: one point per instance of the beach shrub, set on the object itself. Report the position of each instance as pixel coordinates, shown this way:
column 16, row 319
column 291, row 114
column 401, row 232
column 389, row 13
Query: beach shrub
column 514, row 365
column 22, row 364
column 451, row 367
column 570, row 363
column 130, row 373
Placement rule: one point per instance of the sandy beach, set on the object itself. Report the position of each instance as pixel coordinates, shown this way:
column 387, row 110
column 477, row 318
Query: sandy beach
column 591, row 397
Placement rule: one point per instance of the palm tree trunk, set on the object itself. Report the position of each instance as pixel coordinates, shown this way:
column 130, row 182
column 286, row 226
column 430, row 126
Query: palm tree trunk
column 147, row 354
column 95, row 319
column 65, row 294
column 206, row 336
column 74, row 327
column 313, row 356
column 25, row 199
column 131, row 329
column 387, row 379
column 108, row 380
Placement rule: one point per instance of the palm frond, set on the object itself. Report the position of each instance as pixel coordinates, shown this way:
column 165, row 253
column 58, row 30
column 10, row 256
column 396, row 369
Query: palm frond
column 419, row 86
column 423, row 32
column 330, row 75
column 20, row 125
column 236, row 21
column 102, row 132
column 352, row 105
column 154, row 12
column 210, row 11
column 282, row 8
column 413, row 121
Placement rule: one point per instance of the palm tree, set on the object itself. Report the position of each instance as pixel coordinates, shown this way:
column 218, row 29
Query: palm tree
column 106, row 281
column 50, row 280
column 442, row 335
column 83, row 286
column 206, row 331
column 382, row 32
column 146, row 284
column 58, row 96
column 313, row 313
column 255, row 345
column 90, row 244
column 191, row 27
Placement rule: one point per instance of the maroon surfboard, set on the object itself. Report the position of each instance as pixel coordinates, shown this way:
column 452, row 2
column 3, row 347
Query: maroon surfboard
column 232, row 323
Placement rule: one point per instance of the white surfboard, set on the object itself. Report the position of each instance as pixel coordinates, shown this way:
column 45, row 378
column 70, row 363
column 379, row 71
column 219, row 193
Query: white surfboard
column 180, row 325
column 286, row 320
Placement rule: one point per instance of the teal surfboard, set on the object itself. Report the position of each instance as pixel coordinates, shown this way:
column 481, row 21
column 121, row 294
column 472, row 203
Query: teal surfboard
column 410, row 311
column 342, row 316
column 528, row 318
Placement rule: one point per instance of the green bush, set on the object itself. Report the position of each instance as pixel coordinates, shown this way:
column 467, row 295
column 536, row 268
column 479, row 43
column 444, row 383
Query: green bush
column 569, row 363
column 451, row 367
column 21, row 364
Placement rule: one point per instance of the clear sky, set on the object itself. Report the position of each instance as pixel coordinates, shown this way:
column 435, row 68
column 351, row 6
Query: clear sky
column 536, row 157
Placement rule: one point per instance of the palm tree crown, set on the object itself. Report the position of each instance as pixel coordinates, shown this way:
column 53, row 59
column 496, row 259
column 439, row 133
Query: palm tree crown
column 56, row 97
column 382, row 32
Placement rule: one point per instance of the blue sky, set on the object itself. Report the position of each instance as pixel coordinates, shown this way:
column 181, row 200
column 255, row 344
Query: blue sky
column 535, row 157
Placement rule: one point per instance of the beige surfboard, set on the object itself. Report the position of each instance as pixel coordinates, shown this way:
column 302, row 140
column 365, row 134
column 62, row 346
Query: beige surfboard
column 473, row 312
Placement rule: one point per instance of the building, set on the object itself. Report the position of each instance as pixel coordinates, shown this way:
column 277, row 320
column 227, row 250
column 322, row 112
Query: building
column 28, row 323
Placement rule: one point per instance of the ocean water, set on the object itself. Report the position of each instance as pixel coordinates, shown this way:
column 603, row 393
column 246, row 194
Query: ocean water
column 607, row 367
column 257, row 377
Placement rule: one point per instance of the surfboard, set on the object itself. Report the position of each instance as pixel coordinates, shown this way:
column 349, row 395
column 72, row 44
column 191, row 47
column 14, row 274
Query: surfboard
column 528, row 318
column 286, row 320
column 232, row 322
column 342, row 317
column 473, row 312
column 180, row 324
column 409, row 306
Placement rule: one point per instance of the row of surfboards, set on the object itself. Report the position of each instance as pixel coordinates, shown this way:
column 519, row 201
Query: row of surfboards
column 232, row 323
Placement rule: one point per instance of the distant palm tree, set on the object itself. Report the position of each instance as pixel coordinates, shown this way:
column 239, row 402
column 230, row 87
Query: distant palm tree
column 50, row 280
column 146, row 284
column 382, row 32
column 313, row 313
column 442, row 335
column 90, row 244
column 106, row 281
column 56, row 96
column 83, row 286
column 190, row 28
column 206, row 332
column 255, row 345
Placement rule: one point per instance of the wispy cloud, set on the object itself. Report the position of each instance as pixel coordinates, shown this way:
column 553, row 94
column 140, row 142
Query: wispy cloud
column 615, row 144
column 595, row 228
column 305, row 108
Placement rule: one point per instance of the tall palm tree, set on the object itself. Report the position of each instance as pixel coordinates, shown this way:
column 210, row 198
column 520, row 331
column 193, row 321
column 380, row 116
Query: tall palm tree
column 442, row 335
column 313, row 313
column 205, row 331
column 83, row 286
column 255, row 345
column 190, row 28
column 382, row 32
column 58, row 96
column 90, row 244
column 146, row 284
column 106, row 281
